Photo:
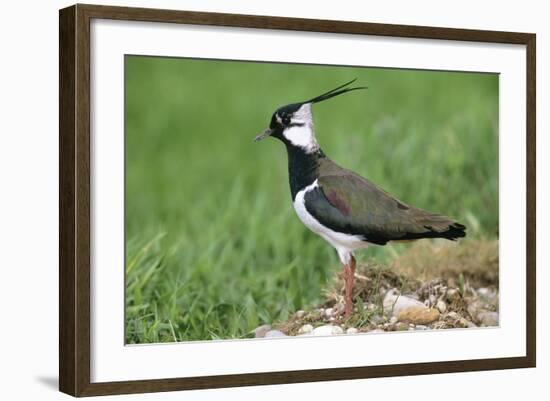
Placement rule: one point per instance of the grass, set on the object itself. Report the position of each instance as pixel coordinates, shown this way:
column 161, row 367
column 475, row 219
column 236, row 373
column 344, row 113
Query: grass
column 213, row 246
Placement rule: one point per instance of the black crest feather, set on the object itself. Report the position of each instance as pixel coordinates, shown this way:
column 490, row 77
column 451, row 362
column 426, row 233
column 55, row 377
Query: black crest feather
column 335, row 92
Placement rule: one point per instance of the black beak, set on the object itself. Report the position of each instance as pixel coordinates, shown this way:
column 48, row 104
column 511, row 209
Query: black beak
column 263, row 135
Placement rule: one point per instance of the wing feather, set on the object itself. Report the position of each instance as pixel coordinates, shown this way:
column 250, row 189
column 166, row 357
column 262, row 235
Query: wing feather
column 349, row 203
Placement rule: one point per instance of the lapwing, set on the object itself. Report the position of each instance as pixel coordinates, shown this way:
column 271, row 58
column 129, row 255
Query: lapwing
column 345, row 209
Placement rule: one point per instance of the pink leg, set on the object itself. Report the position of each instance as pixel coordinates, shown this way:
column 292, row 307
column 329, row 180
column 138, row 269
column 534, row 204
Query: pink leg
column 349, row 279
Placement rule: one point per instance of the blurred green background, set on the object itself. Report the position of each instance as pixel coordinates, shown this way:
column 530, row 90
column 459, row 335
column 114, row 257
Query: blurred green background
column 213, row 247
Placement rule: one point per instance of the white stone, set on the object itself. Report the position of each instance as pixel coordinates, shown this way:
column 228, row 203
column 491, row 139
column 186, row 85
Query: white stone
column 475, row 308
column 377, row 319
column 441, row 306
column 371, row 307
column 327, row 330
column 466, row 323
column 352, row 330
column 488, row 318
column 259, row 332
column 274, row 333
column 395, row 303
column 305, row 329
column 484, row 292
column 328, row 312
column 488, row 295
column 452, row 294
column 453, row 315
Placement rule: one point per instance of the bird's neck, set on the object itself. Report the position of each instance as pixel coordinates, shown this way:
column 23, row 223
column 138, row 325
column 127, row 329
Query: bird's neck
column 303, row 167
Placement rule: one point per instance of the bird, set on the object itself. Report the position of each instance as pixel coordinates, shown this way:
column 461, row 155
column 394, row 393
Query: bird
column 345, row 209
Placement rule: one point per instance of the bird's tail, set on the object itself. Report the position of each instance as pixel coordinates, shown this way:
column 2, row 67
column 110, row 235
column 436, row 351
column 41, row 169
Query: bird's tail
column 439, row 226
column 454, row 231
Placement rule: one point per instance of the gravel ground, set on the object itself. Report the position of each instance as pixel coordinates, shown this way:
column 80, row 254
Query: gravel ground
column 431, row 286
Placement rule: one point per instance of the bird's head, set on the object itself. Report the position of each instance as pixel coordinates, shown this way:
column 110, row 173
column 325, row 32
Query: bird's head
column 293, row 123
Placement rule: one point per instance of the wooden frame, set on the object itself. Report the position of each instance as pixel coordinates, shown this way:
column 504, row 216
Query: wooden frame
column 74, row 199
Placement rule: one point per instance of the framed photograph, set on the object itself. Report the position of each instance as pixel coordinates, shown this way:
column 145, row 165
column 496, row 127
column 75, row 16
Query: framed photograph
column 250, row 200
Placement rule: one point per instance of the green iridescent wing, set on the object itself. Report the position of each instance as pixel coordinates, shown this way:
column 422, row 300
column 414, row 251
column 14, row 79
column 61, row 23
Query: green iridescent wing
column 347, row 202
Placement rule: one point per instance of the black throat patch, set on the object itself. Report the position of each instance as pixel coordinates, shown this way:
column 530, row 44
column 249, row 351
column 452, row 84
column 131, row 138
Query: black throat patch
column 303, row 167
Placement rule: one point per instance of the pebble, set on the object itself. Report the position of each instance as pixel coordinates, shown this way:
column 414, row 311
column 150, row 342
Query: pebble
column 327, row 330
column 300, row 314
column 453, row 315
column 401, row 326
column 395, row 303
column 488, row 295
column 418, row 315
column 488, row 318
column 452, row 294
column 305, row 329
column 274, row 333
column 421, row 327
column 474, row 308
column 352, row 330
column 466, row 323
column 371, row 307
column 328, row 312
column 377, row 319
column 483, row 291
column 393, row 320
column 259, row 332
column 441, row 306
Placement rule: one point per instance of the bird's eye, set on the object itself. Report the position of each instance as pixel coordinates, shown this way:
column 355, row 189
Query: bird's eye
column 286, row 120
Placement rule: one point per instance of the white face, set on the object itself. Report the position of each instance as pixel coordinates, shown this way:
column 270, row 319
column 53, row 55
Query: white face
column 300, row 131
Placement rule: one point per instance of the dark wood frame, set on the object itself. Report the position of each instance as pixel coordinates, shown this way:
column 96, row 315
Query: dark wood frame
column 74, row 199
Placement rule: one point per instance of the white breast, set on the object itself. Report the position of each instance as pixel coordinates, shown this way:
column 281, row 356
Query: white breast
column 344, row 244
